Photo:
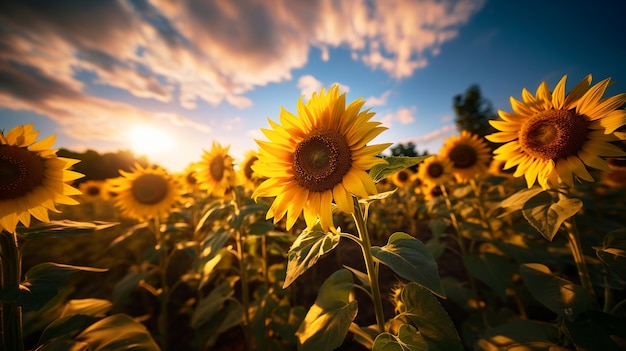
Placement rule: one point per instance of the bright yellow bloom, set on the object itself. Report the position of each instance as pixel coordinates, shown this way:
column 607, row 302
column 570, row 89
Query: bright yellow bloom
column 246, row 175
column 216, row 172
column 551, row 136
column 469, row 154
column 32, row 178
column 318, row 156
column 435, row 170
column 144, row 193
column 92, row 190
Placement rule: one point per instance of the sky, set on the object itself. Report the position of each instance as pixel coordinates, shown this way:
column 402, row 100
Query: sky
column 167, row 79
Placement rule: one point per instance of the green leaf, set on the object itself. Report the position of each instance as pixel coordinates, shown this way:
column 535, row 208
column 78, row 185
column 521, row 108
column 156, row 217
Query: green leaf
column 212, row 303
column 62, row 228
column 595, row 330
column 43, row 281
column 423, row 311
column 613, row 252
column 64, row 328
column 260, row 227
column 559, row 295
column 410, row 258
column 213, row 243
column 327, row 322
column 127, row 285
column 408, row 339
column 516, row 201
column 546, row 216
column 90, row 307
column 520, row 334
column 394, row 164
column 308, row 247
column 117, row 332
column 494, row 270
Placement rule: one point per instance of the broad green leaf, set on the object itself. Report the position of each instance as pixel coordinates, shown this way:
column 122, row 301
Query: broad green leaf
column 327, row 322
column 423, row 311
column 596, row 330
column 128, row 284
column 559, row 295
column 90, row 307
column 117, row 332
column 130, row 232
column 213, row 243
column 494, row 270
column 408, row 339
column 613, row 252
column 260, row 227
column 410, row 258
column 64, row 328
column 238, row 218
column 546, row 216
column 43, row 281
column 286, row 320
column 516, row 201
column 308, row 247
column 394, row 164
column 212, row 303
column 520, row 334
column 62, row 228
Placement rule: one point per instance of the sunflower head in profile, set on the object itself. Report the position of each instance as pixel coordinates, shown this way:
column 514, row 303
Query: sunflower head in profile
column 32, row 178
column 246, row 175
column 435, row 171
column 317, row 156
column 469, row 154
column 216, row 173
column 552, row 137
column 402, row 178
column 144, row 193
column 92, row 190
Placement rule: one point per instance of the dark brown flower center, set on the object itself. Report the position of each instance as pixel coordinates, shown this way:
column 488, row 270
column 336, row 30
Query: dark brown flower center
column 93, row 190
column 463, row 156
column 554, row 134
column 434, row 170
column 149, row 189
column 403, row 176
column 216, row 168
column 321, row 160
column 247, row 169
column 21, row 171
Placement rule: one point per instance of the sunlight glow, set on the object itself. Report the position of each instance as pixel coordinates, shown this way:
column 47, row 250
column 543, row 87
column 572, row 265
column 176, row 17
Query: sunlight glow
column 148, row 140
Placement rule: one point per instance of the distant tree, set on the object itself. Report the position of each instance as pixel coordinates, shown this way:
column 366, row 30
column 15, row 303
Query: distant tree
column 97, row 166
column 473, row 112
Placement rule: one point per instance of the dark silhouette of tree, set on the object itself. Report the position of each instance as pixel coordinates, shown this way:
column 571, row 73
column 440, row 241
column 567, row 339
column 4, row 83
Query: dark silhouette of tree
column 473, row 112
column 97, row 166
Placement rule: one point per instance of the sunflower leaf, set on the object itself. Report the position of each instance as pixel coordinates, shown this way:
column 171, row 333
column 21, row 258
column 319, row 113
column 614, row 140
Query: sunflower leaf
column 613, row 252
column 408, row 339
column 308, row 247
column 394, row 164
column 327, row 322
column 409, row 258
column 547, row 216
column 56, row 229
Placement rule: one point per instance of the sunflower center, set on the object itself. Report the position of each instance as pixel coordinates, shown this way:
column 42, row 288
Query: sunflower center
column 321, row 160
column 93, row 191
column 554, row 134
column 247, row 170
column 149, row 189
column 21, row 171
column 403, row 176
column 216, row 168
column 434, row 170
column 463, row 156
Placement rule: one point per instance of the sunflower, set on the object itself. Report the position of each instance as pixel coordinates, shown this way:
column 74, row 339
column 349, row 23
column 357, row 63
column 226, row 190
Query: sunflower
column 32, row 178
column 318, row 156
column 435, row 170
column 616, row 178
column 469, row 154
column 92, row 190
column 402, row 177
column 144, row 193
column 552, row 137
column 216, row 173
column 245, row 175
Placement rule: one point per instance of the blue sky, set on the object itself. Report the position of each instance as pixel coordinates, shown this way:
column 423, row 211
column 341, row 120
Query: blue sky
column 209, row 71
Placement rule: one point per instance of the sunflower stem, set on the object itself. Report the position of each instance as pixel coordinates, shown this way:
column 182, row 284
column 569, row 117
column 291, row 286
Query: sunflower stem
column 240, row 241
column 11, row 311
column 372, row 271
column 164, row 296
column 573, row 238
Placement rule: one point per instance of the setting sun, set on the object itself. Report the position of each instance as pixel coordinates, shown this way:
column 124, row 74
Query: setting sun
column 148, row 140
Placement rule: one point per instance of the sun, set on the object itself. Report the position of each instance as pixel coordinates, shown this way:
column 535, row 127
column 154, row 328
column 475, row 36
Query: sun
column 148, row 140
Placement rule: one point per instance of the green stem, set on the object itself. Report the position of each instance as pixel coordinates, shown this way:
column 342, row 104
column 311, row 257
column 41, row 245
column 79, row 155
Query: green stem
column 11, row 264
column 164, row 296
column 240, row 241
column 372, row 271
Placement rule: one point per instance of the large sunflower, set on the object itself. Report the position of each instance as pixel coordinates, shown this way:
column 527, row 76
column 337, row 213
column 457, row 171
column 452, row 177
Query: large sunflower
column 435, row 171
column 32, row 178
column 469, row 154
column 318, row 156
column 144, row 193
column 216, row 173
column 551, row 135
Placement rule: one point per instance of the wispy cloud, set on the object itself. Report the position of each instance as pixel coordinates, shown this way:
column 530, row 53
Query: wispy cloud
column 378, row 100
column 198, row 51
column 436, row 135
column 403, row 116
column 308, row 84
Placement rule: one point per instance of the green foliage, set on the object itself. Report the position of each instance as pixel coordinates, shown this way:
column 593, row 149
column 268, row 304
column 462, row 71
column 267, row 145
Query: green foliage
column 394, row 164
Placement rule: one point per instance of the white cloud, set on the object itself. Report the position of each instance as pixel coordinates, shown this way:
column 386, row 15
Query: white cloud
column 403, row 116
column 378, row 100
column 438, row 134
column 308, row 85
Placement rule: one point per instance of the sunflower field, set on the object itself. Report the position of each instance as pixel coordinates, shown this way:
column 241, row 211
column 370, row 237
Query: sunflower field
column 317, row 242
